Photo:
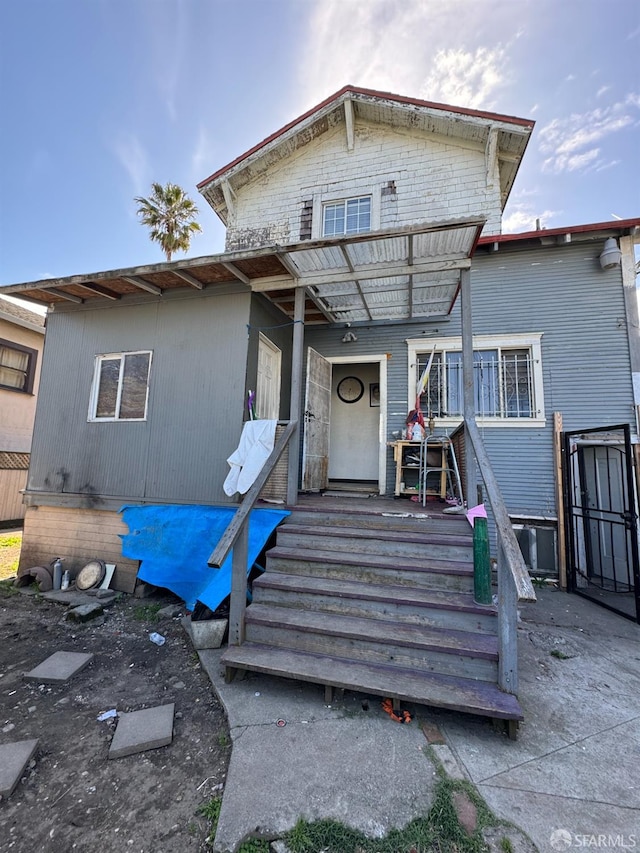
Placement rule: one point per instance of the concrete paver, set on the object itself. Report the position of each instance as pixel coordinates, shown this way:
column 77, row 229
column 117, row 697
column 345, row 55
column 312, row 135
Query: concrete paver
column 138, row 731
column 59, row 667
column 14, row 758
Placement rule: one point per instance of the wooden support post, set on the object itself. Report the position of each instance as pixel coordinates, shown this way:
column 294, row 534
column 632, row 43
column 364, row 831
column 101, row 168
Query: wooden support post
column 239, row 587
column 293, row 474
column 481, row 562
column 507, row 626
column 561, row 540
column 328, row 694
column 469, row 406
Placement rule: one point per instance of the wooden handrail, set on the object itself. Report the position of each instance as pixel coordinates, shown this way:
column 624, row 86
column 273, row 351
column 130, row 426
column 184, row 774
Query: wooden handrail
column 510, row 548
column 234, row 527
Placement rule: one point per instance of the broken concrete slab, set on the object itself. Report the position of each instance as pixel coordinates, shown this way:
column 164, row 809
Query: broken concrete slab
column 448, row 760
column 207, row 634
column 14, row 758
column 59, row 667
column 139, row 731
column 85, row 612
column 76, row 598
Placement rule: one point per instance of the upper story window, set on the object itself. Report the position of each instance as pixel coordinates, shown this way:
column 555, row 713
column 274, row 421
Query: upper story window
column 17, row 366
column 120, row 387
column 507, row 378
column 349, row 216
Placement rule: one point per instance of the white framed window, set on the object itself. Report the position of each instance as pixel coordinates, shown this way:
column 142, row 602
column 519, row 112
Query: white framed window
column 346, row 216
column 507, row 379
column 120, row 386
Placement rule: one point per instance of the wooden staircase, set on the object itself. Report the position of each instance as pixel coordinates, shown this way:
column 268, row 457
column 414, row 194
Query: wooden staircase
column 376, row 603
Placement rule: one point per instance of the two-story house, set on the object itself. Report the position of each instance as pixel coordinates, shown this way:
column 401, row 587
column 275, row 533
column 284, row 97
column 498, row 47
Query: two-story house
column 363, row 243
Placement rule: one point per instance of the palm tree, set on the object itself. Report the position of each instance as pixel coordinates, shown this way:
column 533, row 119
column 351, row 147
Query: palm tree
column 170, row 215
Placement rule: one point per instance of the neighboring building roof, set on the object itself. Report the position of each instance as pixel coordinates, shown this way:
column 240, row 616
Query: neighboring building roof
column 13, row 313
column 548, row 236
column 372, row 105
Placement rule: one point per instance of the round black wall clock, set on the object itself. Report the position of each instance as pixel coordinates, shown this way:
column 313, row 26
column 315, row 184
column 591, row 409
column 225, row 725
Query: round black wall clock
column 350, row 389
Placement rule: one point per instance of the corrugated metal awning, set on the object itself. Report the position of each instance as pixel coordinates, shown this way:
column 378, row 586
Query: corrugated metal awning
column 400, row 274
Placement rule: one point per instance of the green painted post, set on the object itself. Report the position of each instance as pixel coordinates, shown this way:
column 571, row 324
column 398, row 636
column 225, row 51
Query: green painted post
column 481, row 563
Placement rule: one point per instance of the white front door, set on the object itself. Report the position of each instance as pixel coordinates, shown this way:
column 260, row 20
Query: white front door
column 355, row 422
column 317, row 412
column 268, row 380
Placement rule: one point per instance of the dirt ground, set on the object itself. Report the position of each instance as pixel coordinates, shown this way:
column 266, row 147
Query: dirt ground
column 72, row 797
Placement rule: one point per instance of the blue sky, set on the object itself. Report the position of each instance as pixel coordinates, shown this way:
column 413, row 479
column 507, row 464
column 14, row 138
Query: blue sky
column 101, row 97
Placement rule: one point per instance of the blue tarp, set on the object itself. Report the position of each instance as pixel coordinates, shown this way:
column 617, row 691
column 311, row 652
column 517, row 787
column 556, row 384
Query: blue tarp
column 174, row 543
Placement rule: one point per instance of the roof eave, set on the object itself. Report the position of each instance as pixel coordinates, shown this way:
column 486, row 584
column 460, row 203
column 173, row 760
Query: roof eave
column 335, row 101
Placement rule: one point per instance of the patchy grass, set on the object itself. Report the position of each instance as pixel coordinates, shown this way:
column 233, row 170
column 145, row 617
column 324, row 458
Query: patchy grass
column 211, row 811
column 10, row 545
column 438, row 832
column 7, row 588
column 147, row 612
column 556, row 653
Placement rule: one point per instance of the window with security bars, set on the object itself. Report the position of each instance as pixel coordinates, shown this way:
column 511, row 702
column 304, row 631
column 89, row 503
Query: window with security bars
column 350, row 216
column 17, row 367
column 503, row 383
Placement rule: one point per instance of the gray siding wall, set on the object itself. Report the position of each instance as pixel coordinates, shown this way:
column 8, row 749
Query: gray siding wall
column 560, row 291
column 195, row 409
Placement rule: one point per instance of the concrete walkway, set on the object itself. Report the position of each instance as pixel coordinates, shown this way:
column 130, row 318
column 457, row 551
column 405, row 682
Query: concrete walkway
column 572, row 772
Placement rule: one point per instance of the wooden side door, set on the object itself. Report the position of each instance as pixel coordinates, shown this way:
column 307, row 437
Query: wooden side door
column 268, row 379
column 317, row 414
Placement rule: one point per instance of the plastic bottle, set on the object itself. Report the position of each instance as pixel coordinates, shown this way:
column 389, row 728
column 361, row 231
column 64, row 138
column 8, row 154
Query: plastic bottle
column 65, row 580
column 57, row 573
column 156, row 638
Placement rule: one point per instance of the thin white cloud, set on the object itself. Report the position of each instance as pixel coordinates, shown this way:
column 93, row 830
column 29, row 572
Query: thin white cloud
column 601, row 166
column 525, row 219
column 167, row 25
column 569, row 78
column 564, row 139
column 466, row 78
column 602, row 91
column 426, row 49
column 570, row 162
column 203, row 157
column 134, row 160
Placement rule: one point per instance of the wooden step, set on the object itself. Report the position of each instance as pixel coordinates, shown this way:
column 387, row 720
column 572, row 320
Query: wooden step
column 421, row 606
column 418, row 518
column 373, row 640
column 440, row 691
column 405, row 543
column 370, row 568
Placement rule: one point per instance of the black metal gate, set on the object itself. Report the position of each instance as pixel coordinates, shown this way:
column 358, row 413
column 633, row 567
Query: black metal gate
column 601, row 518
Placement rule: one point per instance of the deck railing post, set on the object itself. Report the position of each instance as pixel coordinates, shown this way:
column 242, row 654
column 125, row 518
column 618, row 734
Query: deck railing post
column 238, row 587
column 507, row 625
